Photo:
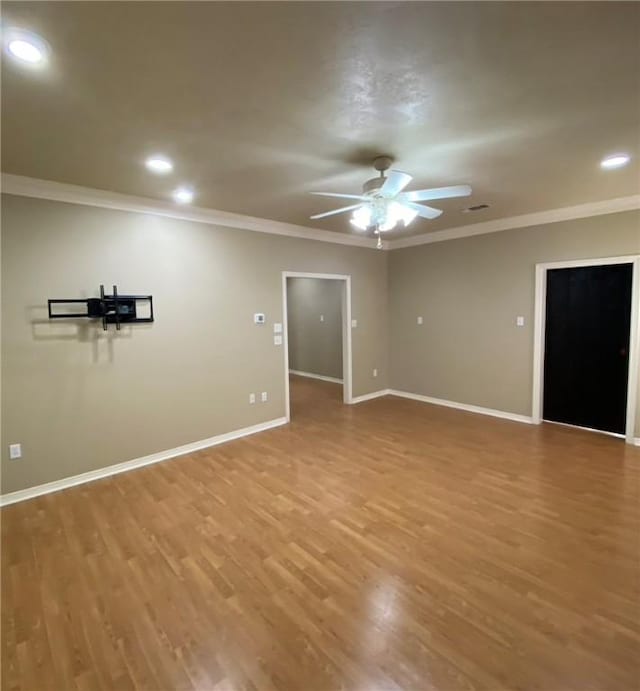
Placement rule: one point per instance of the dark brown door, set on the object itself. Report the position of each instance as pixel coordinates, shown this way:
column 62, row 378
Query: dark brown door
column 586, row 362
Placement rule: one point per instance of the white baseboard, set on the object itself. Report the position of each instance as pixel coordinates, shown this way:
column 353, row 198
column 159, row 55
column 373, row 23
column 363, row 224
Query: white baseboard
column 636, row 441
column 463, row 406
column 30, row 492
column 321, row 377
column 369, row 396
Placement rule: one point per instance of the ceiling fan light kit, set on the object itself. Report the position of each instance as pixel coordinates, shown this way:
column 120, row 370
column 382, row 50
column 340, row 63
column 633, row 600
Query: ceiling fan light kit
column 383, row 204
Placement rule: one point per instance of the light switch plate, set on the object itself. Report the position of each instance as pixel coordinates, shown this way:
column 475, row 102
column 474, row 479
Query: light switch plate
column 263, row 396
column 277, row 328
column 519, row 321
column 252, row 398
column 419, row 320
column 354, row 323
column 277, row 340
column 15, row 451
column 322, row 317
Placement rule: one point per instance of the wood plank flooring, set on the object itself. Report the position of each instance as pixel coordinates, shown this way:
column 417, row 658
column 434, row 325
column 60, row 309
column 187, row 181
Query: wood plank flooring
column 389, row 545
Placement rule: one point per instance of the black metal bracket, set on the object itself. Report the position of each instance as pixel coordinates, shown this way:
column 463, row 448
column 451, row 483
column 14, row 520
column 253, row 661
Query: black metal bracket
column 112, row 309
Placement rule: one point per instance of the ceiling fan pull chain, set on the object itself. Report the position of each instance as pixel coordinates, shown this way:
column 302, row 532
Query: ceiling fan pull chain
column 376, row 231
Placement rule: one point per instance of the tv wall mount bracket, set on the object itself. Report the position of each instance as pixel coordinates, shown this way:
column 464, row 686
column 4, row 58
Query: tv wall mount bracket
column 112, row 309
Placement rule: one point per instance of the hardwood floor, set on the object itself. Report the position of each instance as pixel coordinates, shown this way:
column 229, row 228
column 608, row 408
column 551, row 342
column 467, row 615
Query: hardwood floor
column 388, row 545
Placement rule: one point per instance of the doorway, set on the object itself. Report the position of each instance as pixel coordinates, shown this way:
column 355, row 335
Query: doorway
column 317, row 331
column 586, row 344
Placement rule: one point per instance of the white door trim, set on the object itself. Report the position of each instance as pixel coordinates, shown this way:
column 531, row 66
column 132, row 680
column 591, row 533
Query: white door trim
column 539, row 333
column 347, row 355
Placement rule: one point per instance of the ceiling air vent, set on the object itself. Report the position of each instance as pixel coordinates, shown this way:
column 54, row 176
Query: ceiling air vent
column 476, row 207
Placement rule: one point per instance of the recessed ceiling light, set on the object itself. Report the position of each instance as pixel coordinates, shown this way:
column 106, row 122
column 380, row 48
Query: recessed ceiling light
column 26, row 47
column 159, row 164
column 615, row 161
column 183, row 195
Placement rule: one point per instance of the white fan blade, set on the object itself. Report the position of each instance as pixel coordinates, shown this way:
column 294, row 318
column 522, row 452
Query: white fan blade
column 437, row 193
column 395, row 182
column 423, row 211
column 341, row 196
column 336, row 211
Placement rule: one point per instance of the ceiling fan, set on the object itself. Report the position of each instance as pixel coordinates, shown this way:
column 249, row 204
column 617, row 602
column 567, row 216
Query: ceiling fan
column 383, row 204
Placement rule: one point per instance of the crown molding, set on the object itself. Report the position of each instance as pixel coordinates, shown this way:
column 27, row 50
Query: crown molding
column 567, row 213
column 75, row 194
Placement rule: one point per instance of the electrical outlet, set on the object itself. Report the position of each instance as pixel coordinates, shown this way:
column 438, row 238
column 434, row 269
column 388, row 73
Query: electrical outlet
column 322, row 317
column 354, row 323
column 252, row 398
column 419, row 320
column 277, row 328
column 277, row 340
column 519, row 321
column 263, row 396
column 375, row 372
column 15, row 451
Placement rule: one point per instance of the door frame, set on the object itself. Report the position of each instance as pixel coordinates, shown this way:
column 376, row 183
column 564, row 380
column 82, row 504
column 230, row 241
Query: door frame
column 634, row 334
column 347, row 354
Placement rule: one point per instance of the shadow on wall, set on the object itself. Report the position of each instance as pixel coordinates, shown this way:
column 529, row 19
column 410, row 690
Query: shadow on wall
column 81, row 330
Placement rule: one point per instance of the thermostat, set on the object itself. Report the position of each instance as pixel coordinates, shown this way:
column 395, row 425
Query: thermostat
column 259, row 318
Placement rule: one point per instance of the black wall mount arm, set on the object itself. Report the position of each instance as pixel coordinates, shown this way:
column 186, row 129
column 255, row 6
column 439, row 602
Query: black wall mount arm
column 112, row 309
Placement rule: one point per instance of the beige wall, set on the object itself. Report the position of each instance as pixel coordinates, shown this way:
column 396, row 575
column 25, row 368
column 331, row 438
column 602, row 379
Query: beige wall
column 469, row 292
column 79, row 399
column 314, row 314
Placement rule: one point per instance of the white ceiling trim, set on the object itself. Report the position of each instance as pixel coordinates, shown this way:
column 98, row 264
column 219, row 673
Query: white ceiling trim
column 75, row 194
column 568, row 213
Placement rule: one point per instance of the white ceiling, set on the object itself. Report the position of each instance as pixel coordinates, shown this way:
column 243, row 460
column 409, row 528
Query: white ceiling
column 260, row 103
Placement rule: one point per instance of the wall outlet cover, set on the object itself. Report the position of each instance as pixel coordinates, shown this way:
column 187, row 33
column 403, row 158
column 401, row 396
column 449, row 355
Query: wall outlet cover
column 15, row 451
column 354, row 323
column 277, row 328
column 263, row 396
column 277, row 340
column 259, row 318
column 252, row 398
column 420, row 320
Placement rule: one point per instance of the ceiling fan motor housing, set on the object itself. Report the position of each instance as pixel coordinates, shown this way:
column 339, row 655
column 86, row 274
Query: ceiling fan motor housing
column 373, row 186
